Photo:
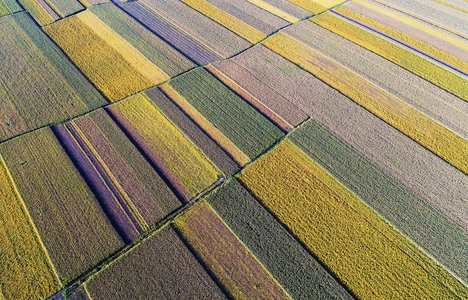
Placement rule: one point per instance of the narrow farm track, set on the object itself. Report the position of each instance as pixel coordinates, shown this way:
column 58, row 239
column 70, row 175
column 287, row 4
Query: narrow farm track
column 200, row 134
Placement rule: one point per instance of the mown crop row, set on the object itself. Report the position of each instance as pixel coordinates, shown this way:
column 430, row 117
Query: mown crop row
column 39, row 85
column 358, row 246
column 410, row 214
column 430, row 134
column 395, row 53
column 115, row 67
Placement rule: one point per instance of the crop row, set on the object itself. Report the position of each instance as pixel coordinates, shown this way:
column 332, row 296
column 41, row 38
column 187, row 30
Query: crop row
column 358, row 246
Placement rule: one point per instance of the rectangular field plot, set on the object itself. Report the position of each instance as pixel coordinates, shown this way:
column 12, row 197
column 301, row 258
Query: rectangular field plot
column 170, row 151
column 8, row 7
column 316, row 6
column 113, row 65
column 40, row 10
column 160, row 266
column 241, row 275
column 38, row 84
column 130, row 191
column 72, row 226
column 371, row 258
column 239, row 122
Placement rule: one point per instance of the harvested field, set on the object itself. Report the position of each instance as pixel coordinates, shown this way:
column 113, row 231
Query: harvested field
column 438, row 139
column 287, row 261
column 162, row 266
column 232, row 23
column 53, row 89
column 170, row 33
column 150, row 45
column 169, row 149
column 251, row 14
column 455, row 84
column 194, row 24
column 115, row 67
column 26, row 270
column 241, row 275
column 239, row 122
column 436, row 103
column 118, row 174
column 410, row 214
column 197, row 135
column 365, row 253
column 71, row 224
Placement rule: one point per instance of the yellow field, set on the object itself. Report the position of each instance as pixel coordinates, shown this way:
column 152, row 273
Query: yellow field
column 410, row 40
column 316, row 6
column 115, row 67
column 275, row 11
column 223, row 142
column 177, row 152
column 26, row 271
column 408, row 60
column 360, row 248
column 237, row 26
column 427, row 132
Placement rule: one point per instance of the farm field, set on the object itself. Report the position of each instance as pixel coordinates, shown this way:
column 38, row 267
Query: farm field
column 248, row 149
